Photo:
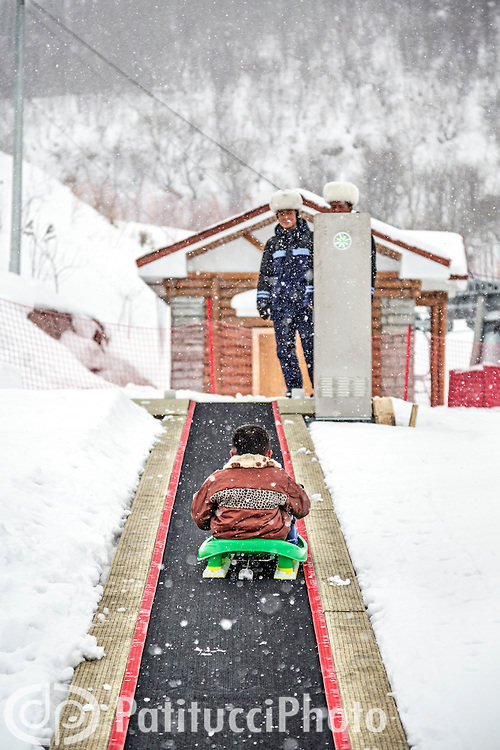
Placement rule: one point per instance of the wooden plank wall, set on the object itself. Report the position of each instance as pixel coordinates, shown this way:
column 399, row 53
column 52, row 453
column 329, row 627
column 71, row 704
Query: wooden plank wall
column 233, row 360
column 220, row 287
column 232, row 349
column 387, row 285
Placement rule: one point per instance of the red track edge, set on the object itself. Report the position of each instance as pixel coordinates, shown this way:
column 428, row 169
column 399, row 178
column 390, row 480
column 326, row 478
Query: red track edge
column 129, row 684
column 332, row 692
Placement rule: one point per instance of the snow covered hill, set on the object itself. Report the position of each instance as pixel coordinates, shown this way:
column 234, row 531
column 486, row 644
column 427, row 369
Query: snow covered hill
column 76, row 252
column 75, row 262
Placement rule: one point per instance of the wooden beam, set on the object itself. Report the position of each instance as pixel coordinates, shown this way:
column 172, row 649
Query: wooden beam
column 254, row 241
column 388, row 252
column 424, row 253
column 210, row 232
column 228, row 238
column 413, row 415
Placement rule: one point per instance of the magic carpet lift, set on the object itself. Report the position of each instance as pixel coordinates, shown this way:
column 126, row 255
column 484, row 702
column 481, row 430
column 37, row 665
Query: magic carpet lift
column 342, row 317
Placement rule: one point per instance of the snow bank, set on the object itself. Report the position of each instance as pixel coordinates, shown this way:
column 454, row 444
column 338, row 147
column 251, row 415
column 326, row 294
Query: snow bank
column 70, row 465
column 421, row 520
column 69, row 349
column 39, row 360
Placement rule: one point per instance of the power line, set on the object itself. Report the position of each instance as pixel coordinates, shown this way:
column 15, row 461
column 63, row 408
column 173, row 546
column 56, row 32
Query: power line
column 94, row 71
column 149, row 93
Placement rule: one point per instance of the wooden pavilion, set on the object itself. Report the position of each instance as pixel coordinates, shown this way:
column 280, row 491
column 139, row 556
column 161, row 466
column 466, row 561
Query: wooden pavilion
column 212, row 276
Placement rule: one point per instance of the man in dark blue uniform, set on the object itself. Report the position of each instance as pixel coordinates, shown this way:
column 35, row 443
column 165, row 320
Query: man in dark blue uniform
column 285, row 286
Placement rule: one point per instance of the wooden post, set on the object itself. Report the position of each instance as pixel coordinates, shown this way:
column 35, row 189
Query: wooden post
column 413, row 415
column 437, row 302
column 376, row 345
column 216, row 320
column 383, row 410
column 438, row 348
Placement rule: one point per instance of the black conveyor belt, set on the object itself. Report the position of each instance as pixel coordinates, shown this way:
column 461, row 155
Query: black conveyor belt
column 226, row 662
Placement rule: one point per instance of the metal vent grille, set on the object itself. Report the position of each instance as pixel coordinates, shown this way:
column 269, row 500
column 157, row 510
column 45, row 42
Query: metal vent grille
column 343, row 387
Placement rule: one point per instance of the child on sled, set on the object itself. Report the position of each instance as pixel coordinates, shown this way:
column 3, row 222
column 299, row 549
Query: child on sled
column 252, row 496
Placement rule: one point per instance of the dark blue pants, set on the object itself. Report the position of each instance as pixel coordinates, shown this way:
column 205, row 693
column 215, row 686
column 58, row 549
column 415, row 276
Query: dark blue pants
column 293, row 534
column 285, row 328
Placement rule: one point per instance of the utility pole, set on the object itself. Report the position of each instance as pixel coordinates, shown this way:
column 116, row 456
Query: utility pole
column 17, row 168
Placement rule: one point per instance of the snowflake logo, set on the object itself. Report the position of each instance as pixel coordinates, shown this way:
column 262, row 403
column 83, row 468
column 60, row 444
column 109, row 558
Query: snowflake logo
column 342, row 240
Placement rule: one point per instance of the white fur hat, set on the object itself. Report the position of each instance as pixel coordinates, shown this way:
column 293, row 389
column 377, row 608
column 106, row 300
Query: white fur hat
column 285, row 200
column 341, row 191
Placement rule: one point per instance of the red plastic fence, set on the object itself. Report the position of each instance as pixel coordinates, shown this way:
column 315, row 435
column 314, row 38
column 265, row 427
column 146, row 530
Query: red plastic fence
column 41, row 348
column 479, row 387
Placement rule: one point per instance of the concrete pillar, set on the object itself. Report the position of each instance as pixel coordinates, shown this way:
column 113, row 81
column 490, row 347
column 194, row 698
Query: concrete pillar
column 342, row 316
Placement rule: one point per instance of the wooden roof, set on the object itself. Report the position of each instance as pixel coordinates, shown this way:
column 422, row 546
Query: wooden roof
column 387, row 238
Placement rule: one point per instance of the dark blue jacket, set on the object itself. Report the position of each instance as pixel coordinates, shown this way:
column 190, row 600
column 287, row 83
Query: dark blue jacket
column 286, row 272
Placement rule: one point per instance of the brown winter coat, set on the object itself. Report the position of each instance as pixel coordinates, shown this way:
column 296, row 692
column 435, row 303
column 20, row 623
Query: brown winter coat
column 252, row 496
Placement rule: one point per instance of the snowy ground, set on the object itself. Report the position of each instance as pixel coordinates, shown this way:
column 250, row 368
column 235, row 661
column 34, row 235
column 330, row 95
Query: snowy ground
column 420, row 512
column 70, row 465
column 420, row 518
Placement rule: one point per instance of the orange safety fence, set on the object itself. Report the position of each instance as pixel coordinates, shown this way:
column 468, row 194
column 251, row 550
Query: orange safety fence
column 42, row 348
column 212, row 357
column 461, row 353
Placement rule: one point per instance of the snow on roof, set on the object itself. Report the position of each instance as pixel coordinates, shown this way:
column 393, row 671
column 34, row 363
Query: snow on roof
column 450, row 245
column 313, row 197
column 439, row 259
column 235, row 225
column 446, row 248
column 424, row 254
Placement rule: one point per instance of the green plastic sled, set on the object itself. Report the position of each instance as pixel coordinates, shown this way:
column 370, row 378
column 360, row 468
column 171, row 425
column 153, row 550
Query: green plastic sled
column 219, row 552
